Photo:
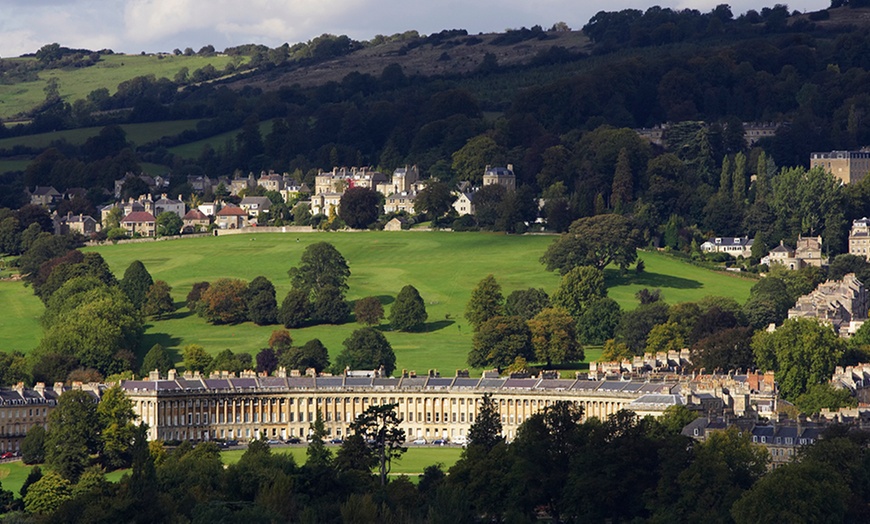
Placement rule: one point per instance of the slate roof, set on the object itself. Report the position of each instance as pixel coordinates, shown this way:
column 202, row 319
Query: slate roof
column 195, row 214
column 139, row 216
column 231, row 211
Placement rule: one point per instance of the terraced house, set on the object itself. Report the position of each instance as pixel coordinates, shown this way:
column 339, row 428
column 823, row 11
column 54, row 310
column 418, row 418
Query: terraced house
column 222, row 406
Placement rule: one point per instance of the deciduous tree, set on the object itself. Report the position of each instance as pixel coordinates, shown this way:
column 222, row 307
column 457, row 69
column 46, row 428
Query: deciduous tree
column 366, row 348
column 136, row 283
column 368, row 311
column 554, row 337
column 486, row 302
column 379, row 426
column 158, row 301
column 156, row 358
column 499, row 341
column 195, row 358
column 579, row 287
column 801, row 351
column 262, row 305
column 115, row 416
column 295, row 309
column 168, row 224
column 598, row 321
column 73, row 434
column 321, row 265
column 33, row 445
column 595, row 241
column 224, row 302
column 408, row 312
column 359, row 207
column 526, row 303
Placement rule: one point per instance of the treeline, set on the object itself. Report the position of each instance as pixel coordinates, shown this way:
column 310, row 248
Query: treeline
column 619, row 469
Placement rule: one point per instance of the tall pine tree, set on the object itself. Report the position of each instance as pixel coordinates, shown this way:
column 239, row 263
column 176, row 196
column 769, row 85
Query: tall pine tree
column 622, row 190
column 725, row 177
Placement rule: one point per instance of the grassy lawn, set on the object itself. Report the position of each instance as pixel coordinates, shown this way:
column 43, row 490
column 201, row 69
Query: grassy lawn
column 13, row 165
column 412, row 462
column 136, row 133
column 12, row 475
column 19, row 324
column 443, row 266
column 678, row 280
column 75, row 84
column 194, row 149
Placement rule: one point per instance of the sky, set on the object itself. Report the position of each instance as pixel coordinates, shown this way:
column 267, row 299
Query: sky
column 133, row 26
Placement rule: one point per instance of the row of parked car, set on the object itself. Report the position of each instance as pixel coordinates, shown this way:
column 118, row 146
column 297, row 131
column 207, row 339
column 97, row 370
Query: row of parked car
column 10, row 455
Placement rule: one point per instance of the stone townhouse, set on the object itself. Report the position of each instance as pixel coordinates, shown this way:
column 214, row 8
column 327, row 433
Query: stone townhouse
column 23, row 408
column 849, row 166
column 194, row 221
column 223, row 406
column 859, row 238
column 840, row 303
column 170, row 205
column 231, row 217
column 807, row 253
column 503, row 176
column 141, row 223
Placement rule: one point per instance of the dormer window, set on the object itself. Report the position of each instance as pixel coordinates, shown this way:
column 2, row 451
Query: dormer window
column 718, row 240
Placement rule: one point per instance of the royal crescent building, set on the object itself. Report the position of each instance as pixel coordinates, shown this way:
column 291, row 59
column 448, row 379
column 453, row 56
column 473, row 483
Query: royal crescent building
column 193, row 407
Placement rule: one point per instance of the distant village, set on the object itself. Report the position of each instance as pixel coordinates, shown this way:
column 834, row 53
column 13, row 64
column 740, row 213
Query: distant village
column 139, row 215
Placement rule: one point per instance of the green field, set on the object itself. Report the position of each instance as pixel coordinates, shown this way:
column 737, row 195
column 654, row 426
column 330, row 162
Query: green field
column 13, row 165
column 136, row 133
column 412, row 462
column 13, row 474
column 443, row 266
column 192, row 150
column 77, row 83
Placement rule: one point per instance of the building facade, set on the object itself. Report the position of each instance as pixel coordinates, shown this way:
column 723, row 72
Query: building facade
column 431, row 407
column 734, row 246
column 849, row 166
column 840, row 303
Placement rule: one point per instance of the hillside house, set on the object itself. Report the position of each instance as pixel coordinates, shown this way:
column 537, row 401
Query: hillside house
column 84, row 225
column 463, row 204
column 808, row 253
column 396, row 224
column 849, row 166
column 397, row 202
column 734, row 246
column 195, row 220
column 405, row 179
column 238, row 184
column 209, row 209
column 141, row 223
column 45, row 196
column 255, row 205
column 503, row 176
column 859, row 238
column 271, row 182
column 837, row 302
column 170, row 205
column 325, row 203
column 231, row 217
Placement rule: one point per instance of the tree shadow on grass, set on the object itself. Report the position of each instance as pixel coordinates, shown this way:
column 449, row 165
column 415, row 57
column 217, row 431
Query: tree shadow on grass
column 427, row 328
column 651, row 280
column 164, row 339
column 435, row 326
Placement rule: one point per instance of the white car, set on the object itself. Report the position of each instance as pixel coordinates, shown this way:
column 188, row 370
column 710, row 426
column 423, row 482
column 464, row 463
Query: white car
column 419, row 442
column 460, row 440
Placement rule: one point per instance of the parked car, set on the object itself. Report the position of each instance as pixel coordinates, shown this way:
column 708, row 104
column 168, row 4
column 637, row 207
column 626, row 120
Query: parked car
column 440, row 442
column 274, row 442
column 461, row 440
column 294, row 440
column 7, row 455
column 419, row 442
column 336, row 440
